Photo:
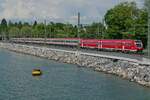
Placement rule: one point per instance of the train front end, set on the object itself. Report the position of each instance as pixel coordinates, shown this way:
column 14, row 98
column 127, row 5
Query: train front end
column 139, row 45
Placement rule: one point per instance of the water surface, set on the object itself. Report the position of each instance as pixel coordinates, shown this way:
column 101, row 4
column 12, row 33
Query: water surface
column 60, row 81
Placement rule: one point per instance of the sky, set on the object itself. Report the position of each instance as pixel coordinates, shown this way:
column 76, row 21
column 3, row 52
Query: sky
column 57, row 10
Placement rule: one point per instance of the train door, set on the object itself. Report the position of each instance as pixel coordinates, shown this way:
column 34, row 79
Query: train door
column 123, row 46
column 119, row 45
column 128, row 46
column 99, row 44
column 81, row 42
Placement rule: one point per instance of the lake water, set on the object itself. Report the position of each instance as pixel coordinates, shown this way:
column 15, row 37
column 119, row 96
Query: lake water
column 60, row 81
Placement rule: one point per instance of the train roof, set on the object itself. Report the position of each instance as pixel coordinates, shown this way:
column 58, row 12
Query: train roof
column 84, row 39
column 111, row 39
column 65, row 38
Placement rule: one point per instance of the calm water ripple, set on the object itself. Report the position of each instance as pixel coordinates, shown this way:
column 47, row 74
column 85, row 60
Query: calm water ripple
column 60, row 81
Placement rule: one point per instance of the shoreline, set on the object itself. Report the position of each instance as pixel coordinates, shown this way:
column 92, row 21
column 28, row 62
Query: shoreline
column 125, row 69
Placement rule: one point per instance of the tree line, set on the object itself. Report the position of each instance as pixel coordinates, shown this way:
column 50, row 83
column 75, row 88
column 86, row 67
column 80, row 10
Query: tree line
column 124, row 21
column 50, row 30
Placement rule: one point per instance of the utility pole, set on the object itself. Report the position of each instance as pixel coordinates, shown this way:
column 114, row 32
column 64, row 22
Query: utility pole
column 148, row 43
column 103, row 27
column 45, row 28
column 78, row 25
column 78, row 33
column 78, row 36
column 45, row 33
column 98, row 29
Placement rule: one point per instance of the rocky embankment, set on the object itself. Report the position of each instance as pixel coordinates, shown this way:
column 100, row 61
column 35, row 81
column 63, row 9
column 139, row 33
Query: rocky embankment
column 125, row 69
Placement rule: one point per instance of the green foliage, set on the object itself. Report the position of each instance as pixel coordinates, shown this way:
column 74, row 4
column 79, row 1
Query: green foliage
column 35, row 23
column 4, row 29
column 121, row 18
column 147, row 3
column 20, row 25
column 26, row 31
column 4, row 25
column 14, row 31
column 125, row 21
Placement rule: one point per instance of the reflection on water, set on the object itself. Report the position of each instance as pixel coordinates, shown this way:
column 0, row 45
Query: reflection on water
column 60, row 81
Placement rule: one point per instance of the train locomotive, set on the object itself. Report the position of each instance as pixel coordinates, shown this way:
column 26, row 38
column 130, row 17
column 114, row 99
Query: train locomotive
column 123, row 45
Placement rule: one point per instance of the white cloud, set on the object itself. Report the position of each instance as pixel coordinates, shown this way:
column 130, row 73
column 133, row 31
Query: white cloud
column 58, row 10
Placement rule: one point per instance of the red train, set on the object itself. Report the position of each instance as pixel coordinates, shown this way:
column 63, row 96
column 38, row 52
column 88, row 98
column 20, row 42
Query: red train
column 109, row 44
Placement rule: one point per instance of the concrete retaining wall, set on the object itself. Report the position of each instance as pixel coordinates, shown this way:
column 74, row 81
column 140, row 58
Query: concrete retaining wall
column 125, row 69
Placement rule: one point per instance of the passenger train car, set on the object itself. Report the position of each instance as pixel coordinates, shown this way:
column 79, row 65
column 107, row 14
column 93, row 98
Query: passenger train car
column 122, row 45
column 101, row 44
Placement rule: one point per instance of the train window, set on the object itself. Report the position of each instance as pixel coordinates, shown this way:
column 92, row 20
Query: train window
column 127, row 44
column 72, row 41
column 58, row 41
column 89, row 42
column 69, row 41
column 108, row 43
column 76, row 41
column 138, row 43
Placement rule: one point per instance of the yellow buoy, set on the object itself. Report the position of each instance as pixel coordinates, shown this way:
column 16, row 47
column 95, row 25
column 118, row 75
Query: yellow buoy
column 36, row 72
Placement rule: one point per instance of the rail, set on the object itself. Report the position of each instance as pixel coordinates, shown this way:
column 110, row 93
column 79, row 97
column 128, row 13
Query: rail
column 144, row 61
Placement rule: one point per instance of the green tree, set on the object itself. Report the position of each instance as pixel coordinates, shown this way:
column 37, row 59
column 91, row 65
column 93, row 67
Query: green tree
column 121, row 19
column 35, row 23
column 147, row 3
column 4, row 28
column 20, row 25
column 4, row 23
column 10, row 23
column 14, row 32
column 94, row 30
column 39, row 30
column 26, row 31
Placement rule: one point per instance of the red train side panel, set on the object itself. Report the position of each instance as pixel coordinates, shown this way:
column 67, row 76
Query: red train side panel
column 123, row 45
